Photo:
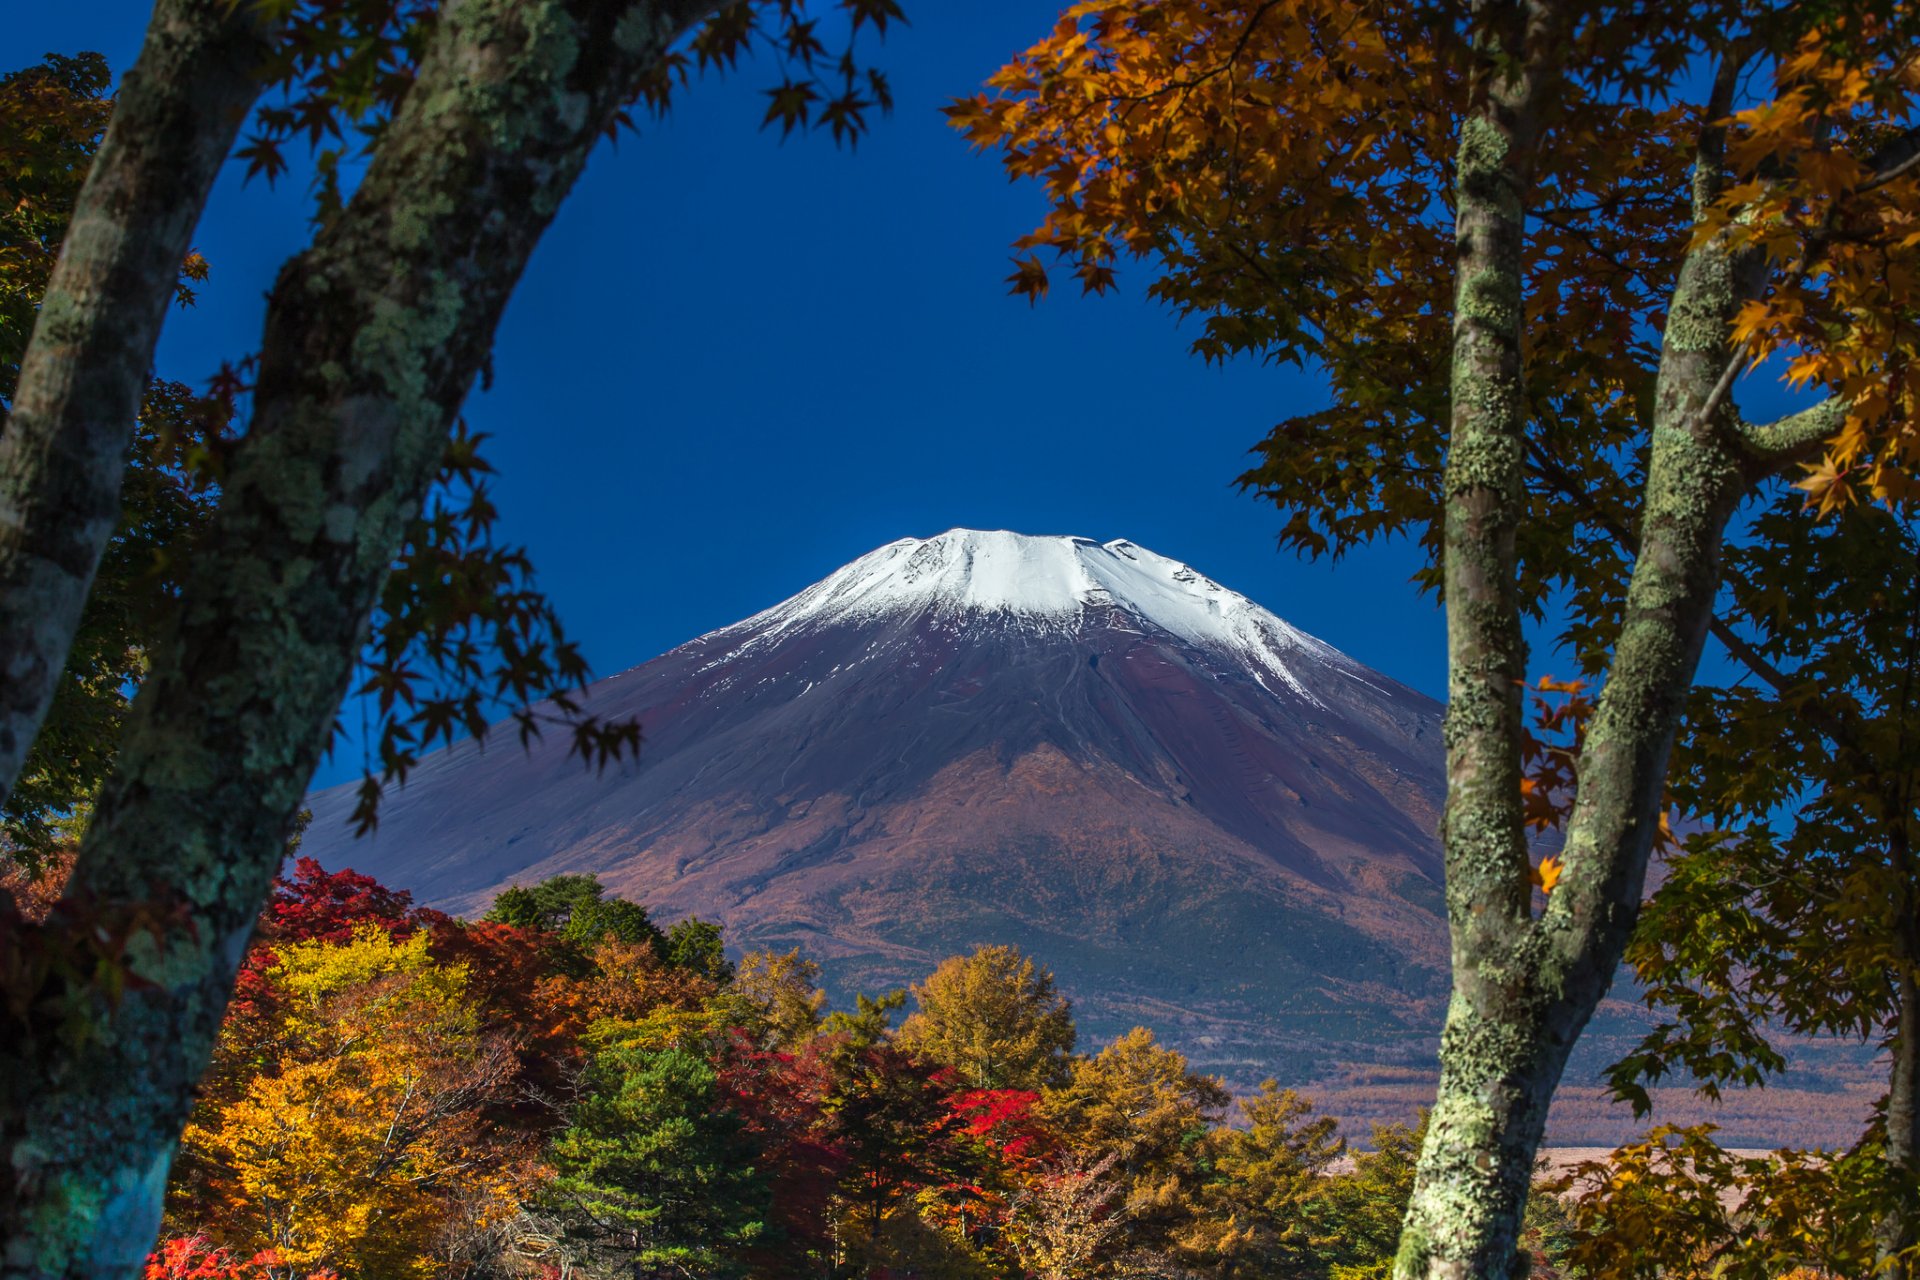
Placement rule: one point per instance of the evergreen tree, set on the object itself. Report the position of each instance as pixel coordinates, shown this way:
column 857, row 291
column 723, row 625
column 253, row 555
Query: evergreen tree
column 653, row 1177
column 1265, row 1211
column 696, row 946
column 1368, row 1205
column 1140, row 1101
column 579, row 910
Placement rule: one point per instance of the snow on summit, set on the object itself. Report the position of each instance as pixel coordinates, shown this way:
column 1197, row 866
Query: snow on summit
column 1046, row 583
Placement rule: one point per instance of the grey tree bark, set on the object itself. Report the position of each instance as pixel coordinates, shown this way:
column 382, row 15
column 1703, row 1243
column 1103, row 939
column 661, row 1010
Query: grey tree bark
column 374, row 336
column 63, row 447
column 1463, row 1219
column 1524, row 988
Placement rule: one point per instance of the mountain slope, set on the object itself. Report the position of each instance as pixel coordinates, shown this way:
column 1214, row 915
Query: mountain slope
column 1200, row 817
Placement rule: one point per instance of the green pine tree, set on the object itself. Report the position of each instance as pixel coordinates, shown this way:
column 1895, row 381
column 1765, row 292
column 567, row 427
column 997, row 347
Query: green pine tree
column 577, row 908
column 653, row 1176
column 1367, row 1206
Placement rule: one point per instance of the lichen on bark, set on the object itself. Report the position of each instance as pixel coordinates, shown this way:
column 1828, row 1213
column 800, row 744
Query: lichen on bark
column 374, row 336
column 63, row 445
column 1524, row 988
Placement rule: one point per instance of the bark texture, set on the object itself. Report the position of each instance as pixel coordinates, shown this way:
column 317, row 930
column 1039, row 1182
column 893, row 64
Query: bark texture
column 1899, row 1230
column 1471, row 1185
column 63, row 448
column 373, row 338
column 1524, row 989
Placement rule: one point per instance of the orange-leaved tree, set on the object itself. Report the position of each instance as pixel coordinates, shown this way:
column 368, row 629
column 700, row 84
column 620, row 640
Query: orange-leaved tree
column 1534, row 246
column 368, row 1124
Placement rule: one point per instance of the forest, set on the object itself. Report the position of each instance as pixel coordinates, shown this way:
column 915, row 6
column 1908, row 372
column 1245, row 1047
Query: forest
column 1613, row 309
column 563, row 1089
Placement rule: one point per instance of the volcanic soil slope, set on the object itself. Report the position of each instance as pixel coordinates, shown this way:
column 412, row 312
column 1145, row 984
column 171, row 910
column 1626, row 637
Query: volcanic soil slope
column 1200, row 817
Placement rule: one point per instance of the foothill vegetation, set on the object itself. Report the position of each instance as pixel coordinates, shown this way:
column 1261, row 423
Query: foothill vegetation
column 562, row 1088
column 1539, row 250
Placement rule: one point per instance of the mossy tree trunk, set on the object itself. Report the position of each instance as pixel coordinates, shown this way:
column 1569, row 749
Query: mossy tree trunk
column 373, row 338
column 1525, row 987
column 64, row 445
column 1463, row 1218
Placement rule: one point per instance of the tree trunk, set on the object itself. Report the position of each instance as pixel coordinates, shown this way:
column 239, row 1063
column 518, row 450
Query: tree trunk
column 1899, row 1231
column 374, row 336
column 1464, row 1216
column 1524, row 989
column 64, row 446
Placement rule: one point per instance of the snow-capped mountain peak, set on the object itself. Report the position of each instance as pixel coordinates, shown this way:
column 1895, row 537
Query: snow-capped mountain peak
column 1158, row 787
column 1046, row 583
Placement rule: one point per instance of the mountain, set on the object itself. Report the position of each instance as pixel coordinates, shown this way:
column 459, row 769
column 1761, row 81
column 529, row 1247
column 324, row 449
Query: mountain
column 1200, row 817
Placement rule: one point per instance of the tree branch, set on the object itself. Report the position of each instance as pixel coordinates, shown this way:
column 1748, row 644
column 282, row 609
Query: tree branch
column 63, row 448
column 1796, row 436
column 1696, row 476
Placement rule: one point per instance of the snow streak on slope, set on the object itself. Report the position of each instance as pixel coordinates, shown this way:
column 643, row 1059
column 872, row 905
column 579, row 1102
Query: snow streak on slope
column 1047, row 584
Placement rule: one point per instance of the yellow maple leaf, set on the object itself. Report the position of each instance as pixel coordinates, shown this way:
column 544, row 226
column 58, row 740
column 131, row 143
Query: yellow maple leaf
column 1547, row 874
column 1825, row 485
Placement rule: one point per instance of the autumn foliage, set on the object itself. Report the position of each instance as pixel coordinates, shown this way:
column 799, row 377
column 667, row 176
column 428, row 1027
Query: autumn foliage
column 399, row 1093
column 1695, row 193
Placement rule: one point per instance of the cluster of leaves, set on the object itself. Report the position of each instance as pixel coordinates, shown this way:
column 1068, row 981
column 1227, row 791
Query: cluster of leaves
column 197, row 1258
column 468, row 611
column 1285, row 168
column 52, row 118
column 821, row 87
column 557, row 1089
column 340, row 68
column 1678, row 1206
column 1830, row 169
column 1550, row 747
column 1792, row 909
column 336, row 67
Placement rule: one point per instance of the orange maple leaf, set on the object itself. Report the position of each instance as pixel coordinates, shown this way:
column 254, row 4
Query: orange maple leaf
column 1547, row 874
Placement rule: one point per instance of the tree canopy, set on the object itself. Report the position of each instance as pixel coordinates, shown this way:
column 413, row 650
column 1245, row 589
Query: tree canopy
column 995, row 1018
column 1534, row 247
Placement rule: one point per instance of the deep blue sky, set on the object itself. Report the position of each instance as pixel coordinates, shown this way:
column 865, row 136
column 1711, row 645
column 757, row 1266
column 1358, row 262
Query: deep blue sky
column 735, row 364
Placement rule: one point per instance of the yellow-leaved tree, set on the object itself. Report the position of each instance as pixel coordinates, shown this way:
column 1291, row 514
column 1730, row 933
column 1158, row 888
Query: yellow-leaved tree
column 362, row 1148
column 995, row 1017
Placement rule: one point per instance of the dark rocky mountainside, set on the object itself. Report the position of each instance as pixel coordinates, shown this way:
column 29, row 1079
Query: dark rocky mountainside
column 1202, row 819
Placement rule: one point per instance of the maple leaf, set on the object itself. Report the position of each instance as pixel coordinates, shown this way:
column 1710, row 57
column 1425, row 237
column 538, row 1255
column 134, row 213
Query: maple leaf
column 878, row 12
column 1029, row 279
column 792, row 105
column 1826, row 486
column 1547, row 874
column 846, row 117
